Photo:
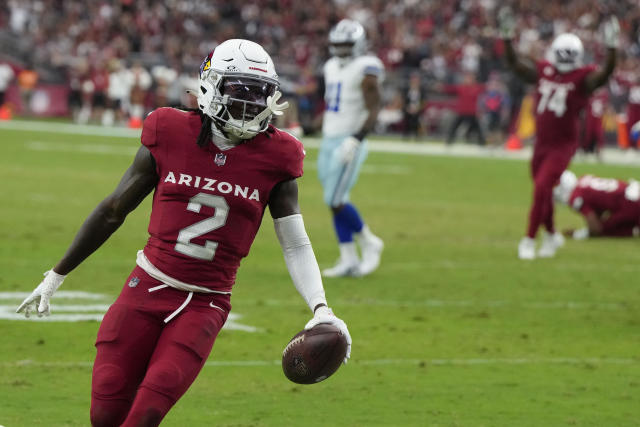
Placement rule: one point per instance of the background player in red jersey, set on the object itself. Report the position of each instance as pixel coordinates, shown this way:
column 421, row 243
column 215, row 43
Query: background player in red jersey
column 213, row 173
column 610, row 207
column 592, row 136
column 563, row 87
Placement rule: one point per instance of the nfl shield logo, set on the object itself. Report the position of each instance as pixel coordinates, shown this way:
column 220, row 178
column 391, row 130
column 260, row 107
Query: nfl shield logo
column 134, row 282
column 220, row 159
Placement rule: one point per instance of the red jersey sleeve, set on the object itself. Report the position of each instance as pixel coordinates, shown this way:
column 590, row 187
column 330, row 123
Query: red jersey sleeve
column 149, row 130
column 290, row 156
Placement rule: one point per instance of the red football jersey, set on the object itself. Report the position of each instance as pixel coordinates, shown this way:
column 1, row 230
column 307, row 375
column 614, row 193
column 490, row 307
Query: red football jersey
column 208, row 204
column 559, row 99
column 603, row 195
column 598, row 104
column 633, row 105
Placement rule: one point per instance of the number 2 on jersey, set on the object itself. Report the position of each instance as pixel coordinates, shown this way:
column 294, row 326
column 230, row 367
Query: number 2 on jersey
column 552, row 98
column 219, row 219
column 332, row 97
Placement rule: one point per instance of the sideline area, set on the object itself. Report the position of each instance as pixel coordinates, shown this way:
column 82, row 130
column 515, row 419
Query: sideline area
column 612, row 156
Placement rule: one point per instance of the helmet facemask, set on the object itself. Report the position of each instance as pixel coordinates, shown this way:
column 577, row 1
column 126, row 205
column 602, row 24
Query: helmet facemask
column 347, row 40
column 243, row 101
column 238, row 89
column 566, row 52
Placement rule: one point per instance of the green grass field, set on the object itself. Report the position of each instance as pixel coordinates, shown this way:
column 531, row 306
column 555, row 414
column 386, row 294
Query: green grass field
column 452, row 330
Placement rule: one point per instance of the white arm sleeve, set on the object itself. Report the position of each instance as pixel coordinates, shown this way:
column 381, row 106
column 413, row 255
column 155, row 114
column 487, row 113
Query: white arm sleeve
column 300, row 259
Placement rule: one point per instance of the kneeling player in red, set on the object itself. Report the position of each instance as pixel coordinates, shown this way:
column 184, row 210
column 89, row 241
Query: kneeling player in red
column 213, row 172
column 610, row 207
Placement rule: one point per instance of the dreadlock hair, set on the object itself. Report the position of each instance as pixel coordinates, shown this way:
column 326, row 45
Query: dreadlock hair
column 205, row 131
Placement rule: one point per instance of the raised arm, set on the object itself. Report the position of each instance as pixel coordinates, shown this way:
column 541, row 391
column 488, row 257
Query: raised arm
column 138, row 181
column 523, row 67
column 611, row 39
column 299, row 257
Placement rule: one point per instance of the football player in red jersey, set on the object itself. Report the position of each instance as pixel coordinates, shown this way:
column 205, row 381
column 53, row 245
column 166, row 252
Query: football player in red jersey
column 563, row 87
column 593, row 132
column 610, row 207
column 213, row 172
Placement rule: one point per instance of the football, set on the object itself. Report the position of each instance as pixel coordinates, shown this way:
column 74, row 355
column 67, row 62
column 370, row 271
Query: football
column 314, row 355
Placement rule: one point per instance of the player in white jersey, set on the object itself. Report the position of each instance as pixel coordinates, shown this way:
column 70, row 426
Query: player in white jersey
column 352, row 97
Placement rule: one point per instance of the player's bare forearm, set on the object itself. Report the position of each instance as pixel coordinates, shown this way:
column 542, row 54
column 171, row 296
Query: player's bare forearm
column 372, row 102
column 283, row 200
column 523, row 67
column 137, row 182
column 594, row 224
column 597, row 78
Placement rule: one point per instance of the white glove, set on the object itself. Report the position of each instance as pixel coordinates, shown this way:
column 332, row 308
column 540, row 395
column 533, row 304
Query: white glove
column 580, row 233
column 348, row 148
column 38, row 301
column 324, row 315
column 506, row 23
column 272, row 104
column 611, row 33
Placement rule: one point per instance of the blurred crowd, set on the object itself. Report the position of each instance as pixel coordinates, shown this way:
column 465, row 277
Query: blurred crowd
column 121, row 58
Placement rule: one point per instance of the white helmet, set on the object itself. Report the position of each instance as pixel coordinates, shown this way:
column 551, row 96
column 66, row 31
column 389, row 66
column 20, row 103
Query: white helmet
column 566, row 52
column 236, row 79
column 562, row 191
column 347, row 39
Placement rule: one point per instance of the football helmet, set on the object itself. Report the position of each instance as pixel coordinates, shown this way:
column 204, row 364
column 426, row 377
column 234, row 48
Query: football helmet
column 566, row 52
column 347, row 39
column 238, row 88
column 562, row 191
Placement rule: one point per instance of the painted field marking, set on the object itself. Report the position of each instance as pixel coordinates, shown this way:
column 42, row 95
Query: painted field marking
column 612, row 156
column 102, row 149
column 436, row 303
column 63, row 311
column 119, row 150
column 376, row 362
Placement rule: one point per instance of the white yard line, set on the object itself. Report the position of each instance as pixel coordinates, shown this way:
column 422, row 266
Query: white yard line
column 101, row 149
column 120, row 150
column 474, row 304
column 611, row 156
column 375, row 362
column 59, row 295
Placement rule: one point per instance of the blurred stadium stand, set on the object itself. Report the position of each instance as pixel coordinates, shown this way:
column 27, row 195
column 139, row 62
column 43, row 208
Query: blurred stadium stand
column 110, row 61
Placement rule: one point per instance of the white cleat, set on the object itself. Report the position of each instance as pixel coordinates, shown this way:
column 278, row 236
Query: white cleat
column 527, row 248
column 371, row 248
column 558, row 238
column 550, row 244
column 342, row 269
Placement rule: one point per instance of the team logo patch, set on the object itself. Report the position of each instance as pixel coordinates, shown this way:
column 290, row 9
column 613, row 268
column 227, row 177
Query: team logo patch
column 133, row 282
column 206, row 64
column 220, row 159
